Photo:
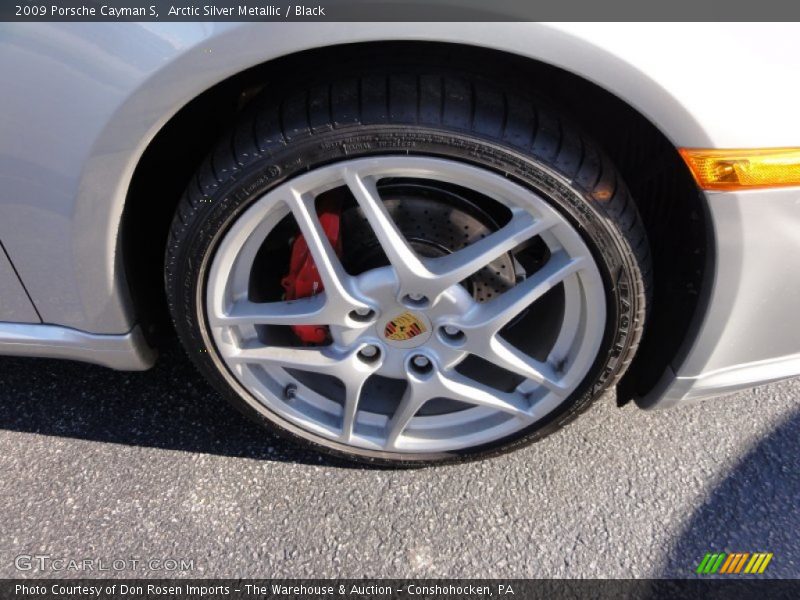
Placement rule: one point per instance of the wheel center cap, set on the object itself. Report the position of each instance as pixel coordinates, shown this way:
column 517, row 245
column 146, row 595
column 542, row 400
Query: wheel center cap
column 406, row 329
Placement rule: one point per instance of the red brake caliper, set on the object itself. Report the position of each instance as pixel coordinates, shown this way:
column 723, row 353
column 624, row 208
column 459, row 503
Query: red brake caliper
column 303, row 279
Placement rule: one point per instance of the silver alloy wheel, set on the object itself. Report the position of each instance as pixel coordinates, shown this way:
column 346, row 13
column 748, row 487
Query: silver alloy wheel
column 425, row 292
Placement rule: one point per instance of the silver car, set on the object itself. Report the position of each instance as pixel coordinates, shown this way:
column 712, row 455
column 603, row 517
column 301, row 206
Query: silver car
column 406, row 243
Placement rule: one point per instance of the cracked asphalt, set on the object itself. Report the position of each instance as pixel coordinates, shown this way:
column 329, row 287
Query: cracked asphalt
column 119, row 466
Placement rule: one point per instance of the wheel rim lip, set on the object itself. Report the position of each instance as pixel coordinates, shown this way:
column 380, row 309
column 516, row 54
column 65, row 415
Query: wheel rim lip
column 252, row 221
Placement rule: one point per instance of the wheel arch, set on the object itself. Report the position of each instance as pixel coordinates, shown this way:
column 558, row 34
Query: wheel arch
column 643, row 152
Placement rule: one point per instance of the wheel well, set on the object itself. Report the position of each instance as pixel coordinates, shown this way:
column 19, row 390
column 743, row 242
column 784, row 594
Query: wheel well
column 671, row 206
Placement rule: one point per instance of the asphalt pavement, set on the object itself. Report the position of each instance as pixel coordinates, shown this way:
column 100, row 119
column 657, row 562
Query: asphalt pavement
column 105, row 466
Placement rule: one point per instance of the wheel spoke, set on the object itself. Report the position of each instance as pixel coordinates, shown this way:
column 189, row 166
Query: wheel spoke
column 352, row 396
column 453, row 386
column 407, row 264
column 334, row 278
column 430, row 277
column 302, row 359
column 454, row 268
column 504, row 355
column 413, row 399
column 308, row 311
column 490, row 317
column 348, row 369
column 458, row 387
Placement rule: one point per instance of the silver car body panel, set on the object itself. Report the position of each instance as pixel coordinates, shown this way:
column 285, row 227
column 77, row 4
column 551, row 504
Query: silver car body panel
column 126, row 352
column 751, row 330
column 15, row 306
column 81, row 102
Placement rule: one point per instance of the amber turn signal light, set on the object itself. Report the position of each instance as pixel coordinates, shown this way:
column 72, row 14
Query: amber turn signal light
column 730, row 170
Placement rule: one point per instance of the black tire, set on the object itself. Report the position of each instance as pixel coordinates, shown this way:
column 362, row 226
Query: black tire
column 448, row 114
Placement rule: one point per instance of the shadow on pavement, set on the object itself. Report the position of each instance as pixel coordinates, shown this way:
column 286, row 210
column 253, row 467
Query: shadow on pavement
column 756, row 508
column 171, row 407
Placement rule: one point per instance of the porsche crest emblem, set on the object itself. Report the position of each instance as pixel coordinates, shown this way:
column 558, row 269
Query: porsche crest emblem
column 404, row 327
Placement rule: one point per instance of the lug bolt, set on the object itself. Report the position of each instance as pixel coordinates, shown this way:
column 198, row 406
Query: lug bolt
column 362, row 314
column 452, row 335
column 421, row 361
column 369, row 353
column 421, row 365
column 416, row 299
